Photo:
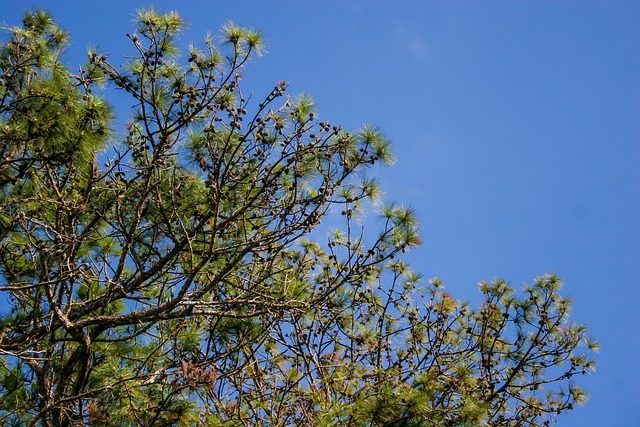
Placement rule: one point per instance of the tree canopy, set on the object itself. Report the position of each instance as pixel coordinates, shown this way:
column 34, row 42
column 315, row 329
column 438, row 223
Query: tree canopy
column 208, row 264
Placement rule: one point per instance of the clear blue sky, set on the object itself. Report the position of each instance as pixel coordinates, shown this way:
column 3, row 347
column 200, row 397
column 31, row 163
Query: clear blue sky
column 516, row 125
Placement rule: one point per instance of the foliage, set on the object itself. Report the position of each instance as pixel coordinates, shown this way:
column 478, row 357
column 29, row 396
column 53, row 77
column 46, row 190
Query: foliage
column 173, row 275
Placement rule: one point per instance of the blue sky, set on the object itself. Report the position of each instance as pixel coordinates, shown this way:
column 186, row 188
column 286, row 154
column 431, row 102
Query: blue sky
column 516, row 125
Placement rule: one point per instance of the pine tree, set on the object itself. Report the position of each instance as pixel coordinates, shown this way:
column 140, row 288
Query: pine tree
column 176, row 274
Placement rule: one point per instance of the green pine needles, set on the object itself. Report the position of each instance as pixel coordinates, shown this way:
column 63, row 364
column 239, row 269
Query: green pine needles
column 172, row 273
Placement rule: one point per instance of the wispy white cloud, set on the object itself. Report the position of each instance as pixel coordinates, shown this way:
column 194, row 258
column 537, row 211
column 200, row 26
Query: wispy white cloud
column 412, row 40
